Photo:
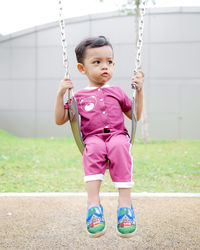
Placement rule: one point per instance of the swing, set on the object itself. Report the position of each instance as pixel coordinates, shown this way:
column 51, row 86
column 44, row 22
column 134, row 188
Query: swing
column 73, row 106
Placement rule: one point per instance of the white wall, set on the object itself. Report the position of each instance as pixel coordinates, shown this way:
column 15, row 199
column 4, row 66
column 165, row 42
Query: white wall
column 31, row 69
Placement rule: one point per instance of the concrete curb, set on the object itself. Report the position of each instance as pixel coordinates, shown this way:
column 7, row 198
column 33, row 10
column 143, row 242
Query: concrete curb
column 111, row 194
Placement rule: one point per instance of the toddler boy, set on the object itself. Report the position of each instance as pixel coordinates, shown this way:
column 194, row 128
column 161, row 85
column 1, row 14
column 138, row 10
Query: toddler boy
column 101, row 108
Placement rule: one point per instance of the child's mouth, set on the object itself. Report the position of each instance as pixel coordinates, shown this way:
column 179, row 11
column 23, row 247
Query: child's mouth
column 105, row 74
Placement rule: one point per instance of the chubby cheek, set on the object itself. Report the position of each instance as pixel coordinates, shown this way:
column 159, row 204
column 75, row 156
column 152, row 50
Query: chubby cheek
column 96, row 73
column 111, row 73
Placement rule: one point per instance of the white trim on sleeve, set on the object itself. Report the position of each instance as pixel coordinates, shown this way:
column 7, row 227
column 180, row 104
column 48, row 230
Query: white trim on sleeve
column 94, row 177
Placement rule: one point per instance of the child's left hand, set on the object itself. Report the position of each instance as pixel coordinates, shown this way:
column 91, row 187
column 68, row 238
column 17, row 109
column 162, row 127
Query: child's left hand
column 139, row 80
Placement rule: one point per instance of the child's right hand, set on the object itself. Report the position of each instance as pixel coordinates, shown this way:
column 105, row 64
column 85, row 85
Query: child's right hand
column 65, row 84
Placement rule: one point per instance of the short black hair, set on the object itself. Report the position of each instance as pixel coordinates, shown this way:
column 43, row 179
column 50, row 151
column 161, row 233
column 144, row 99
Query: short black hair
column 91, row 42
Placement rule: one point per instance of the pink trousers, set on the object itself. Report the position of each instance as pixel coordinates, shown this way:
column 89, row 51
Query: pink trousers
column 114, row 147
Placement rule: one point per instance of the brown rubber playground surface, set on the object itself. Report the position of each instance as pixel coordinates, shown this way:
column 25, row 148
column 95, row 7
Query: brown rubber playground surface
column 59, row 223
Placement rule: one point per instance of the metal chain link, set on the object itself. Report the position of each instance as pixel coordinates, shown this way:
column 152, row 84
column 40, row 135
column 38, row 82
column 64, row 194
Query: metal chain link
column 140, row 36
column 63, row 39
column 140, row 23
column 64, row 46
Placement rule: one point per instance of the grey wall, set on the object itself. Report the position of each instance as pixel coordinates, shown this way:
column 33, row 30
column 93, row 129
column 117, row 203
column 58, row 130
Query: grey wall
column 31, row 69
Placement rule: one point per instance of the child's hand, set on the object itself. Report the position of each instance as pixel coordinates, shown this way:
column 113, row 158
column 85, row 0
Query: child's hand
column 139, row 80
column 65, row 84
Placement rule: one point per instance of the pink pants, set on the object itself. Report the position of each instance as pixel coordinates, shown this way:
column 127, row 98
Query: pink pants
column 115, row 148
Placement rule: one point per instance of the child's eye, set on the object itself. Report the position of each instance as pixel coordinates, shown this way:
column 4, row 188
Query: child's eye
column 110, row 62
column 96, row 62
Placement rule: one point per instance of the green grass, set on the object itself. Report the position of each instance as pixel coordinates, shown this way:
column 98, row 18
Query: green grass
column 55, row 165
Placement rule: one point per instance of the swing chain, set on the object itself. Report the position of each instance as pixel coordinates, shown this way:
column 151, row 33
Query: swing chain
column 63, row 39
column 64, row 45
column 140, row 23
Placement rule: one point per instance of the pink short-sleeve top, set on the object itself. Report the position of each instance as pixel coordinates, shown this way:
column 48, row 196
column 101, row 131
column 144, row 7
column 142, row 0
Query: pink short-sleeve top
column 102, row 108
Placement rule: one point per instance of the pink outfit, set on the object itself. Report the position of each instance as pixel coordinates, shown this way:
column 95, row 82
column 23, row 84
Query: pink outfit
column 104, row 134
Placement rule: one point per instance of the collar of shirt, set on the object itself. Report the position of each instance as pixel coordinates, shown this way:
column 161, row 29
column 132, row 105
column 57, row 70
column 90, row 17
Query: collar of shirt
column 104, row 86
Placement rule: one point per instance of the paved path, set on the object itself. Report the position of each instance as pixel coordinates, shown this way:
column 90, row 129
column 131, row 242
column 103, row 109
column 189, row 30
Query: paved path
column 59, row 223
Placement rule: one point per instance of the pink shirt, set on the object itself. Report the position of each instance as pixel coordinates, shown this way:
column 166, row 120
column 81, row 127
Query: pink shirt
column 102, row 108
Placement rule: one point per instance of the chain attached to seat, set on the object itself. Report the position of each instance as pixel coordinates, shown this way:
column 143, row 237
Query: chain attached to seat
column 134, row 86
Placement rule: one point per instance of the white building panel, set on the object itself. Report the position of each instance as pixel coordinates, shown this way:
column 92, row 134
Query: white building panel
column 23, row 63
column 49, row 62
column 164, row 124
column 5, row 63
column 174, row 60
column 31, row 70
column 18, row 100
column 20, row 123
column 24, row 40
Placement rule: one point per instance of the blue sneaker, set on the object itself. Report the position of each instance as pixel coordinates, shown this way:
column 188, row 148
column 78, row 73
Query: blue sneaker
column 95, row 221
column 126, row 221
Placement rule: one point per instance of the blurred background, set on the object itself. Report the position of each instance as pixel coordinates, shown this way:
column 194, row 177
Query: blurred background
column 31, row 61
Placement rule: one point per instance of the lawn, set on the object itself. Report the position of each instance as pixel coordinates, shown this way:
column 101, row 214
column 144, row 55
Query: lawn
column 55, row 165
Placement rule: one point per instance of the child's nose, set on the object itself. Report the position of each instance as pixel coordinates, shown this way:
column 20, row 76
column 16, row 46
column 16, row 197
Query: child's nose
column 104, row 66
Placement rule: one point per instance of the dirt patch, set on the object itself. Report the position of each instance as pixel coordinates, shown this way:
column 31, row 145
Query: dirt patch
column 59, row 223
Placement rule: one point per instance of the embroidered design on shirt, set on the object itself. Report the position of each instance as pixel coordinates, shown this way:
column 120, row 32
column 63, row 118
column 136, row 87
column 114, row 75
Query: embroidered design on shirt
column 88, row 103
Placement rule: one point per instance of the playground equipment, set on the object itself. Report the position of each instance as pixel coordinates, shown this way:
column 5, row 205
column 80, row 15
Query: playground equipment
column 73, row 106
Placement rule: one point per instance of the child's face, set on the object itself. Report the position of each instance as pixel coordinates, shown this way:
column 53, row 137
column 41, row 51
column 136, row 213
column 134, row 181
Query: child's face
column 98, row 65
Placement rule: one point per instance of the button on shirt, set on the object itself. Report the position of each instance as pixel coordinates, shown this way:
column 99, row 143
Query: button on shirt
column 102, row 108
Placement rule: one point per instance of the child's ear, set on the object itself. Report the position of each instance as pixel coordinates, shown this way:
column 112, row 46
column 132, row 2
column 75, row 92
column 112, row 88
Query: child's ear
column 80, row 68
